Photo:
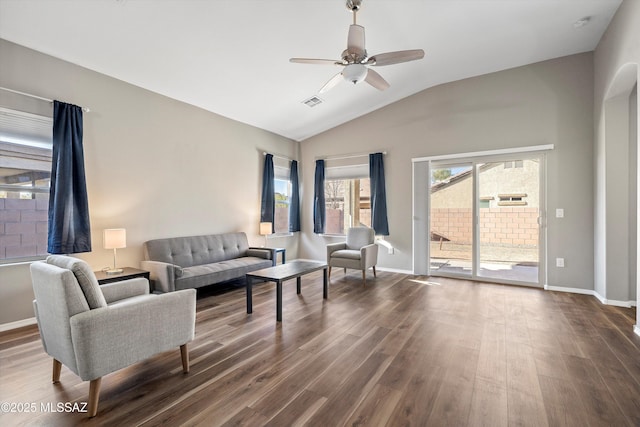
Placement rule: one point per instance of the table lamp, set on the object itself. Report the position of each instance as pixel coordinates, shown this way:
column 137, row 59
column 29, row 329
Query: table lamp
column 114, row 238
column 266, row 228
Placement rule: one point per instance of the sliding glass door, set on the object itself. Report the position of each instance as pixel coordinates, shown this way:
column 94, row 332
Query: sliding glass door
column 451, row 213
column 508, row 230
column 484, row 219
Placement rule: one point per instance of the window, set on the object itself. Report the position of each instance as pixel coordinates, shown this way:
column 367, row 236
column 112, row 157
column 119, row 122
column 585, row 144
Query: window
column 25, row 173
column 348, row 204
column 282, row 190
column 512, row 199
column 513, row 164
column 282, row 194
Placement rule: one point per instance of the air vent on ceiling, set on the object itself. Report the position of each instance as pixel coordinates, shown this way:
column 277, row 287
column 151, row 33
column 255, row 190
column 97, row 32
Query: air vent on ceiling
column 313, row 101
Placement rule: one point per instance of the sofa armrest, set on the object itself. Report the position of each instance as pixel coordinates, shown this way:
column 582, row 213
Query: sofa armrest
column 125, row 289
column 163, row 275
column 110, row 338
column 332, row 247
column 369, row 255
column 266, row 253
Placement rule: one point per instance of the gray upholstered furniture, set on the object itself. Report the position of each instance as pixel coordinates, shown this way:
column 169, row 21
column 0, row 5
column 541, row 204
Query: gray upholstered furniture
column 192, row 262
column 358, row 252
column 95, row 330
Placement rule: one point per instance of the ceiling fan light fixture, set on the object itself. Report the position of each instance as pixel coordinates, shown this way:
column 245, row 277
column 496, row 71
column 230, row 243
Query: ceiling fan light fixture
column 354, row 73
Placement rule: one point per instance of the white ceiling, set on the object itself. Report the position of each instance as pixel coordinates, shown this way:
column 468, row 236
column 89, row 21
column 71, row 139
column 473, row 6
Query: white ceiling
column 231, row 57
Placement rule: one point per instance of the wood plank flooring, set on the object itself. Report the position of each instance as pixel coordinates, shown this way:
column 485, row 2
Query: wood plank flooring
column 404, row 350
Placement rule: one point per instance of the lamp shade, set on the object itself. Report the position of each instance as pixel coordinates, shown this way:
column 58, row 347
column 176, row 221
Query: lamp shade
column 266, row 228
column 115, row 238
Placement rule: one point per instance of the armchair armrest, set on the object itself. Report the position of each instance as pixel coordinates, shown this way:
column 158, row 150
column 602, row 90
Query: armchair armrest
column 110, row 338
column 369, row 255
column 125, row 289
column 116, row 291
column 266, row 253
column 332, row 247
column 163, row 274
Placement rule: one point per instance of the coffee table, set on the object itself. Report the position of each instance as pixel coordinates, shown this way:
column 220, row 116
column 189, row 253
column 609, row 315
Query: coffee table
column 284, row 272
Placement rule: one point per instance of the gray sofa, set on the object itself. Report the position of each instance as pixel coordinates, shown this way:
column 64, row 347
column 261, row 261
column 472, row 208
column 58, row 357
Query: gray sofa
column 192, row 262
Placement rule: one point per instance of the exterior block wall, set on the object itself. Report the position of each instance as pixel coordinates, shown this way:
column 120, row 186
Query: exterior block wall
column 23, row 227
column 504, row 226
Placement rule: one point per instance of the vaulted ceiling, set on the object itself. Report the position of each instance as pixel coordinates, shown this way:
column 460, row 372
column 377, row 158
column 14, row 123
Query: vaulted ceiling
column 231, row 57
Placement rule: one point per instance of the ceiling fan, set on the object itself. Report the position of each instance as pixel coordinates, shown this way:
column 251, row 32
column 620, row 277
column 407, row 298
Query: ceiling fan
column 355, row 58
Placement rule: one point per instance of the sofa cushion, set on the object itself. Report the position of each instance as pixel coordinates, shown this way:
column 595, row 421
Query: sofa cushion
column 85, row 277
column 207, row 274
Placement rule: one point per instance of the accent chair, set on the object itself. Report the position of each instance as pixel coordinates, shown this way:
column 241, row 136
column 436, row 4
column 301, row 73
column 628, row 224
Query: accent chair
column 95, row 330
column 359, row 252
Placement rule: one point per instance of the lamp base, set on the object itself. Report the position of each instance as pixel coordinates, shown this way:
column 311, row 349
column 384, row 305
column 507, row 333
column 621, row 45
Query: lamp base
column 114, row 271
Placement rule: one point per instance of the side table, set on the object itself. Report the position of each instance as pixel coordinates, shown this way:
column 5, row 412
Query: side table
column 127, row 273
column 282, row 251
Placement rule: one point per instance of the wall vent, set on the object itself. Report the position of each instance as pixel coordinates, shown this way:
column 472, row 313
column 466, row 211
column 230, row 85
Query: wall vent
column 313, row 101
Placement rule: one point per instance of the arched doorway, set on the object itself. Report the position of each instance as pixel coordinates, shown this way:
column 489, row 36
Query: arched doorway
column 618, row 186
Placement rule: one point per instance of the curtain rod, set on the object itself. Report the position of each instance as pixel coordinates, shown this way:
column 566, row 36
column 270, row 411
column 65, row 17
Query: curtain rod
column 350, row 156
column 85, row 109
column 264, row 153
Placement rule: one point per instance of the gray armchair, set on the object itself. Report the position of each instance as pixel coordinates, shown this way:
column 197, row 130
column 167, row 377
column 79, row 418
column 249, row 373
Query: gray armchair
column 358, row 252
column 95, row 330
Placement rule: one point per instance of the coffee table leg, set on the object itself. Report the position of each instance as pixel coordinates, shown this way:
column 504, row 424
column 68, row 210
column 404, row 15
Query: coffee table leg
column 299, row 284
column 249, row 296
column 325, row 287
column 279, row 301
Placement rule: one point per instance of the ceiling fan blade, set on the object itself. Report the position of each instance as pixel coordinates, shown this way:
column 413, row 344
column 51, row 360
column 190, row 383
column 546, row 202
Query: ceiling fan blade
column 315, row 61
column 396, row 57
column 376, row 80
column 331, row 83
column 355, row 41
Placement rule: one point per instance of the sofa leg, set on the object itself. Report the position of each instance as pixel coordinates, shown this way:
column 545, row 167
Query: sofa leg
column 57, row 367
column 364, row 277
column 94, row 396
column 345, row 270
column 184, row 354
column 329, row 274
column 374, row 271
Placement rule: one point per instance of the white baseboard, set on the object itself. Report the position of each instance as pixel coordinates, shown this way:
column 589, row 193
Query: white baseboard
column 394, row 270
column 569, row 290
column 603, row 300
column 636, row 329
column 17, row 324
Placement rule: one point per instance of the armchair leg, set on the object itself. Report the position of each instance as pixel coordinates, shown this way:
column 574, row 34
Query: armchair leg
column 374, row 271
column 94, row 396
column 184, row 354
column 329, row 274
column 57, row 367
column 364, row 277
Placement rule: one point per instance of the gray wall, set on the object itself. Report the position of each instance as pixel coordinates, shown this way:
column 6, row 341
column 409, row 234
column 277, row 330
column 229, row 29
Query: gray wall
column 544, row 103
column 155, row 166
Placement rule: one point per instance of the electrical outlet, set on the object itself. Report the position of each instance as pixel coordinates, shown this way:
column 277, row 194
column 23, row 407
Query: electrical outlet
column 559, row 213
column 559, row 262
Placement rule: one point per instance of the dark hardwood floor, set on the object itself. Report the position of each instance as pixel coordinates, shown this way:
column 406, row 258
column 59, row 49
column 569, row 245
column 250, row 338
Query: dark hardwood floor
column 403, row 350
